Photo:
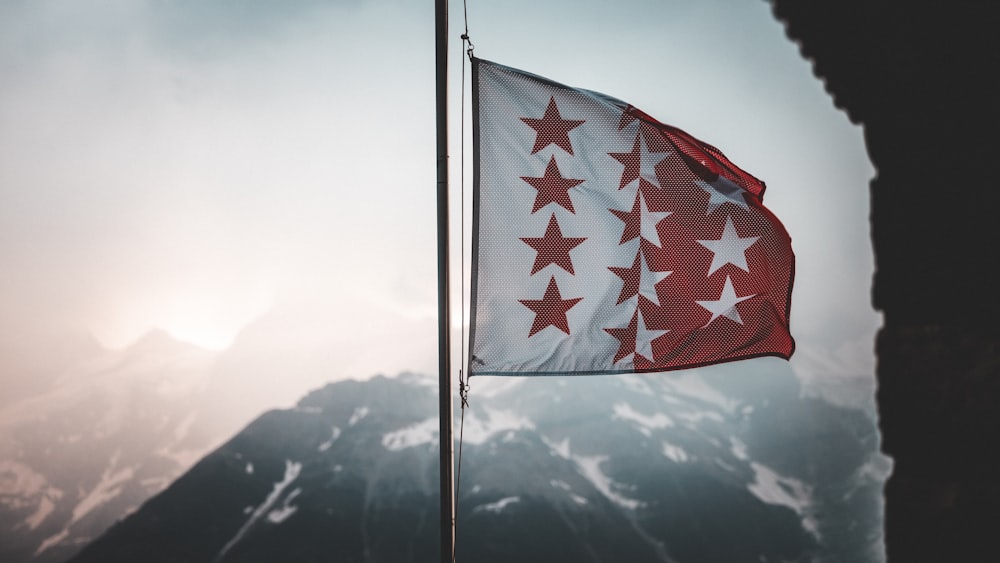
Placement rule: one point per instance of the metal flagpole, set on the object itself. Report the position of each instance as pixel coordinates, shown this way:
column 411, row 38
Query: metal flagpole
column 447, row 445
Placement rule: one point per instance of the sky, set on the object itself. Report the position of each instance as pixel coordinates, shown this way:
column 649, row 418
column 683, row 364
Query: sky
column 265, row 172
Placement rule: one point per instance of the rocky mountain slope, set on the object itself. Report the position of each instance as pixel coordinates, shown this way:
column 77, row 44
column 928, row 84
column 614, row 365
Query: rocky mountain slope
column 730, row 464
column 106, row 431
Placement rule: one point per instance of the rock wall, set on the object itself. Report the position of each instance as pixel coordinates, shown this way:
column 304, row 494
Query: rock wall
column 921, row 79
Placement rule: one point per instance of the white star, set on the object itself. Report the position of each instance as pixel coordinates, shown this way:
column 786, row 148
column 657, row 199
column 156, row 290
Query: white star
column 644, row 338
column 648, row 162
column 723, row 191
column 726, row 305
column 648, row 221
column 648, row 280
column 730, row 249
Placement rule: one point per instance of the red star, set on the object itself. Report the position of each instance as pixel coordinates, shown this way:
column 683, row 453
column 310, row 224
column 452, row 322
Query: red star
column 632, row 220
column 648, row 151
column 630, row 160
column 630, row 278
column 553, row 248
column 552, row 128
column 626, row 117
column 641, row 221
column 636, row 340
column 626, row 337
column 639, row 279
column 552, row 188
column 550, row 309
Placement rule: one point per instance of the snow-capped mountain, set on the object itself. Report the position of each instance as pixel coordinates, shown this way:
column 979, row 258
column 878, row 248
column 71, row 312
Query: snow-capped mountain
column 97, row 437
column 730, row 464
column 88, row 434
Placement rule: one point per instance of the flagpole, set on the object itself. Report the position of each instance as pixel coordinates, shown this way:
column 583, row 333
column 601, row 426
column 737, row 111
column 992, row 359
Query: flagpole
column 447, row 445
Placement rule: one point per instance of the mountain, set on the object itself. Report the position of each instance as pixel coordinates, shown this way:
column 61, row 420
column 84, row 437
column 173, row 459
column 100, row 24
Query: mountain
column 726, row 464
column 101, row 432
column 88, row 434
column 31, row 365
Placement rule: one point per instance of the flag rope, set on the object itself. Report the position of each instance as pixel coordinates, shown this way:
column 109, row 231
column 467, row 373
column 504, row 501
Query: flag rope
column 463, row 384
column 463, row 391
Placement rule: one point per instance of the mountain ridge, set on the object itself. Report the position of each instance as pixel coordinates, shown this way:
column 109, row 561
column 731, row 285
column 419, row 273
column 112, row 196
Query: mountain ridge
column 693, row 467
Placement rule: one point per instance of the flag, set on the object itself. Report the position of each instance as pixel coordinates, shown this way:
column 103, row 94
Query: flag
column 605, row 241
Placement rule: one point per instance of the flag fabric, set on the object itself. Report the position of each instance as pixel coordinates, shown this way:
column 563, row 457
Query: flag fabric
column 605, row 241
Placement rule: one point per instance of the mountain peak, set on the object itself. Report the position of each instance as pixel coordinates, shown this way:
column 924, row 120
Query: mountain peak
column 157, row 340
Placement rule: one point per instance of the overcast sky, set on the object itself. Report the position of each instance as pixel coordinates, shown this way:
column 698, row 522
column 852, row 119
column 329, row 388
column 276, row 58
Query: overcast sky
column 198, row 166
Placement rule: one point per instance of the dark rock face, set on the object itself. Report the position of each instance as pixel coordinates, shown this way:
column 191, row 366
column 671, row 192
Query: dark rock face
column 917, row 77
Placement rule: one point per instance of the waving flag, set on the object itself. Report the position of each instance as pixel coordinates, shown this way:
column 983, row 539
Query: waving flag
column 605, row 241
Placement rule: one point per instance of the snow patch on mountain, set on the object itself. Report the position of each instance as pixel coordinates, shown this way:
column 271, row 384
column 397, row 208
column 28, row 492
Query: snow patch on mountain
column 738, row 448
column 279, row 515
column 52, row 540
column 590, row 468
column 560, row 448
column 478, row 430
column 18, row 480
column 425, row 432
column 559, row 484
column 358, row 415
column 498, row 506
column 292, row 470
column 334, row 434
column 645, row 423
column 772, row 488
column 45, row 507
column 675, row 453
column 108, row 488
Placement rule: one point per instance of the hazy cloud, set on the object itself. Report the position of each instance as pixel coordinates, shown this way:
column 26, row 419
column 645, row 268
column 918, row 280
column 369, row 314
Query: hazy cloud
column 192, row 165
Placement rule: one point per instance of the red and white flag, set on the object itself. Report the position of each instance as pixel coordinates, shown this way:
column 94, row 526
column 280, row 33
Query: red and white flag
column 605, row 241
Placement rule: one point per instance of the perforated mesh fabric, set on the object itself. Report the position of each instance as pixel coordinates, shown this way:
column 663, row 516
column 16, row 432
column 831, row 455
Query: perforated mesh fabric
column 606, row 242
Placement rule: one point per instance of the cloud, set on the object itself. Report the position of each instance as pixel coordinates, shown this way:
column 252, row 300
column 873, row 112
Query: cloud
column 142, row 179
column 191, row 164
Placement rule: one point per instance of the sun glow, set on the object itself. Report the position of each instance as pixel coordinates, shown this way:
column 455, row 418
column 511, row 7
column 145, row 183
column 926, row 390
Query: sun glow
column 210, row 320
column 210, row 337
